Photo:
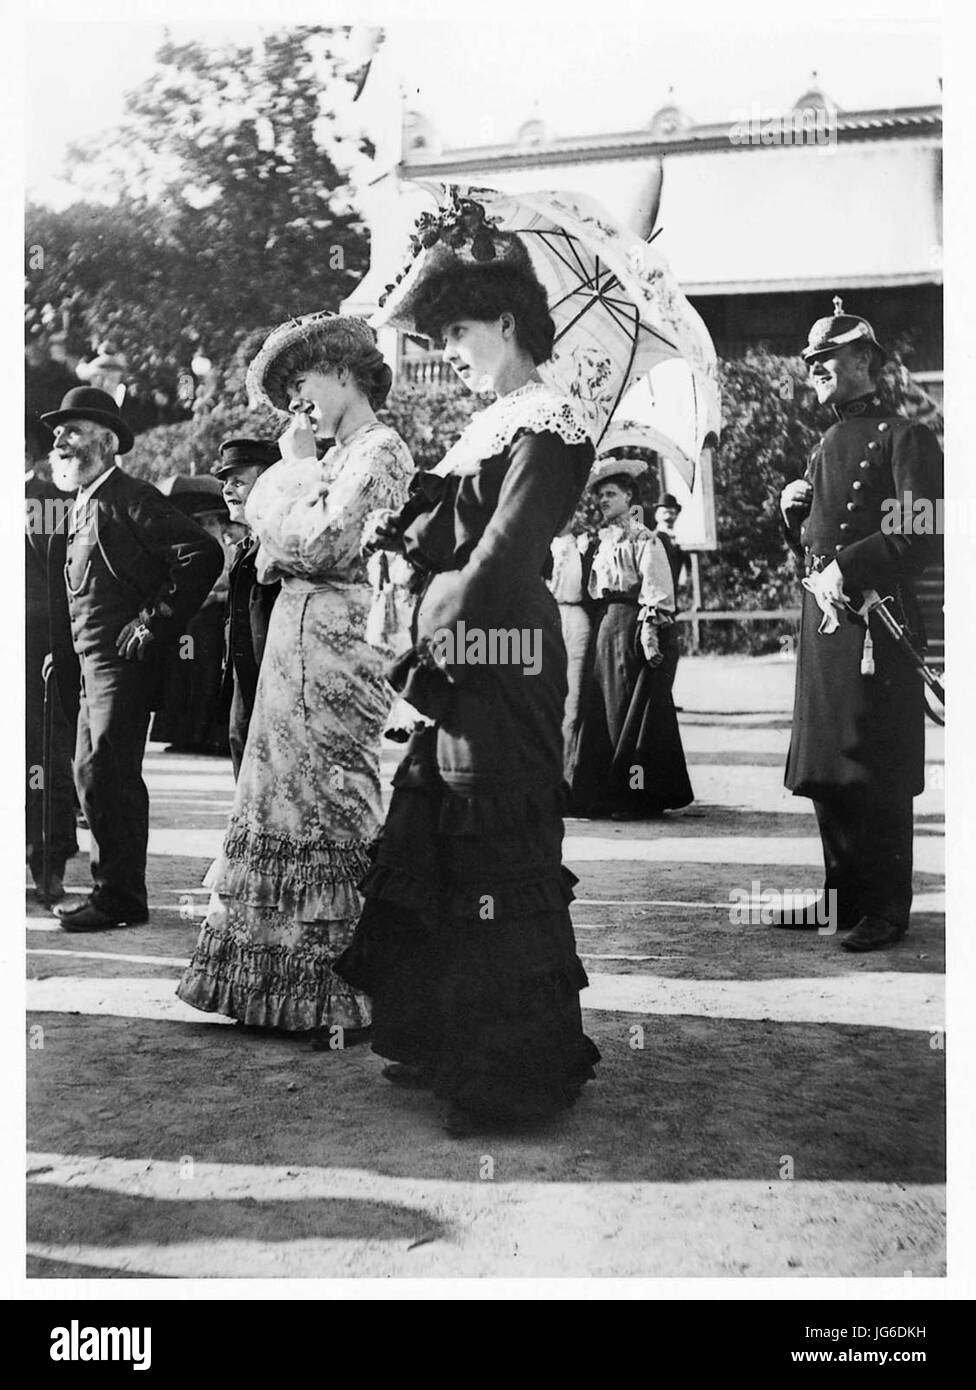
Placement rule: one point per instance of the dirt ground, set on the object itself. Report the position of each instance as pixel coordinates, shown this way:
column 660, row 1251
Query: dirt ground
column 767, row 1104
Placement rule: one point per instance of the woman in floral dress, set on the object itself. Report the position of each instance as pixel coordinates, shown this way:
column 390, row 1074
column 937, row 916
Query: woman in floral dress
column 307, row 804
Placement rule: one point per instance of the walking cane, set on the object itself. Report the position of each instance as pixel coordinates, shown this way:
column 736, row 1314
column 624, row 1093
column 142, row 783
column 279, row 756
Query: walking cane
column 47, row 791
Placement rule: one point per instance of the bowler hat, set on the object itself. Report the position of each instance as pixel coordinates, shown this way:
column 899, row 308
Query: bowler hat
column 89, row 403
column 245, row 453
column 668, row 499
column 829, row 334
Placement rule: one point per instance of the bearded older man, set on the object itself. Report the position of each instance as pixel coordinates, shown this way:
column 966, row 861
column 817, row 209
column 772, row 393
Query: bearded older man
column 136, row 570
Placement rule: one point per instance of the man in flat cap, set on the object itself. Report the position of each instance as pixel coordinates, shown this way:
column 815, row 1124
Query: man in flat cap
column 857, row 747
column 136, row 570
column 241, row 462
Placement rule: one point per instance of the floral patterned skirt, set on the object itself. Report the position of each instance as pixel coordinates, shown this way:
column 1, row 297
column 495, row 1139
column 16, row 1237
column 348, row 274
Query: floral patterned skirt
column 306, row 811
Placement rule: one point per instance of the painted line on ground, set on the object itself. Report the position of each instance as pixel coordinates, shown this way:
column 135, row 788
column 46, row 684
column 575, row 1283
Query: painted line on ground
column 180, row 961
column 899, row 1000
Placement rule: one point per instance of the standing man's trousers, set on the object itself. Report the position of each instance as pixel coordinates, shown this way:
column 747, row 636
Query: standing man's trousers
column 113, row 722
column 867, row 848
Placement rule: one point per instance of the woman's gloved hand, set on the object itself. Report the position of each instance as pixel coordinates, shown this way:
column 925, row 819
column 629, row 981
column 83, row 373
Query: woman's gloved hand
column 651, row 643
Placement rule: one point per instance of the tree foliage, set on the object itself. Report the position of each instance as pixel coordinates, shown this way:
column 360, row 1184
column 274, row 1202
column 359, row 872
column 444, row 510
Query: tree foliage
column 230, row 210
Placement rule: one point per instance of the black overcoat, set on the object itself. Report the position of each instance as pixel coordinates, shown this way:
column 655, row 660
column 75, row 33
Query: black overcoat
column 46, row 610
column 133, row 552
column 852, row 730
column 249, row 608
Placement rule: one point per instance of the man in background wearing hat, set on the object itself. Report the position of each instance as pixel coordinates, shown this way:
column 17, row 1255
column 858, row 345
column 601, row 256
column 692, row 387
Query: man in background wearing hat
column 857, row 747
column 666, row 513
column 241, row 463
column 47, row 647
column 136, row 570
column 191, row 717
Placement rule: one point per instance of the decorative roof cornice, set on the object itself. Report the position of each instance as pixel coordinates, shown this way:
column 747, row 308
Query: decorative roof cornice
column 906, row 122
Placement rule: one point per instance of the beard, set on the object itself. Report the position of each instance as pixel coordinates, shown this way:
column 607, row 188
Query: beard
column 76, row 470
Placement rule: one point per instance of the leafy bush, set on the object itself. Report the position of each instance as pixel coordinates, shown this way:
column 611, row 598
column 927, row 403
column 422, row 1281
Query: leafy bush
column 429, row 418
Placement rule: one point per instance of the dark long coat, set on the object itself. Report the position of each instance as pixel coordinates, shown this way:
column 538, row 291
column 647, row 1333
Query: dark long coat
column 249, row 606
column 48, row 623
column 48, row 631
column 854, row 731
column 135, row 552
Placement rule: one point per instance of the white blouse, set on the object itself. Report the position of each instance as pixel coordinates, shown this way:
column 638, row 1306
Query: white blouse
column 631, row 560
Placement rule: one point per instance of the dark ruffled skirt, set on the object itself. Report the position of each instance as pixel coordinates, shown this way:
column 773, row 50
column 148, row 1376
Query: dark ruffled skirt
column 628, row 754
column 466, row 946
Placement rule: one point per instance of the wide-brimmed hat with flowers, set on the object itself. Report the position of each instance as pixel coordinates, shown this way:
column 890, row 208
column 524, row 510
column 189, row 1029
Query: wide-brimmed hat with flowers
column 338, row 335
column 617, row 309
column 460, row 234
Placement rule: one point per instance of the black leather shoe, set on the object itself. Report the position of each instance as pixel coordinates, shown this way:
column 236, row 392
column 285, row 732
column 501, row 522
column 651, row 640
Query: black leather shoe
column 873, row 934
column 87, row 917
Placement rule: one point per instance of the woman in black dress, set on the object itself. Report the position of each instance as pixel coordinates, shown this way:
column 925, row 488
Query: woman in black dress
column 629, row 761
column 465, row 943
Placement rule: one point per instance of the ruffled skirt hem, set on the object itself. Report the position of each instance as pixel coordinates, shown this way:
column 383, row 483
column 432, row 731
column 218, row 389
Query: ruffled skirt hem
column 306, row 881
column 269, row 986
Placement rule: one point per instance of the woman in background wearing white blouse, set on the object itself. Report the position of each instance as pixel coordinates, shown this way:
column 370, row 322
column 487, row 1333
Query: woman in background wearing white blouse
column 629, row 762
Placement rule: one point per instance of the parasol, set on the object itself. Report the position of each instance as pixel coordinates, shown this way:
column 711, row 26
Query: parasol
column 618, row 310
column 673, row 409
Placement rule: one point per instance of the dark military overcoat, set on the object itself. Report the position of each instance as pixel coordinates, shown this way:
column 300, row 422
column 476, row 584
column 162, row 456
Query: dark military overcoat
column 852, row 730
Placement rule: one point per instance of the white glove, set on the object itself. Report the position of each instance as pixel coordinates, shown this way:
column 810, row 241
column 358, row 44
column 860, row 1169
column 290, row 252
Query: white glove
column 827, row 588
column 650, row 644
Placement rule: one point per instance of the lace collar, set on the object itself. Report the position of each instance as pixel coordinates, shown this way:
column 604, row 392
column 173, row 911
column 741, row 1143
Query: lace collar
column 534, row 407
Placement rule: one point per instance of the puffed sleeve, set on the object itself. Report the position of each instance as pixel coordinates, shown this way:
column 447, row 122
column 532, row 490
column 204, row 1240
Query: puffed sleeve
column 309, row 528
column 880, row 559
column 656, row 593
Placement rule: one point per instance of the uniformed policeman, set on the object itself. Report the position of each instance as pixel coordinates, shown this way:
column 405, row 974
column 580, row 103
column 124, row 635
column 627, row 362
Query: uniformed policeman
column 857, row 747
column 241, row 462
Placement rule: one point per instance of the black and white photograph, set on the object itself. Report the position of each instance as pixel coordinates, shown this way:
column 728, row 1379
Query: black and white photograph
column 486, row 553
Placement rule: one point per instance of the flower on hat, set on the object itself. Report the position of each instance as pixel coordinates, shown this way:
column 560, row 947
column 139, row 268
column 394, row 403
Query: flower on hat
column 462, row 228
